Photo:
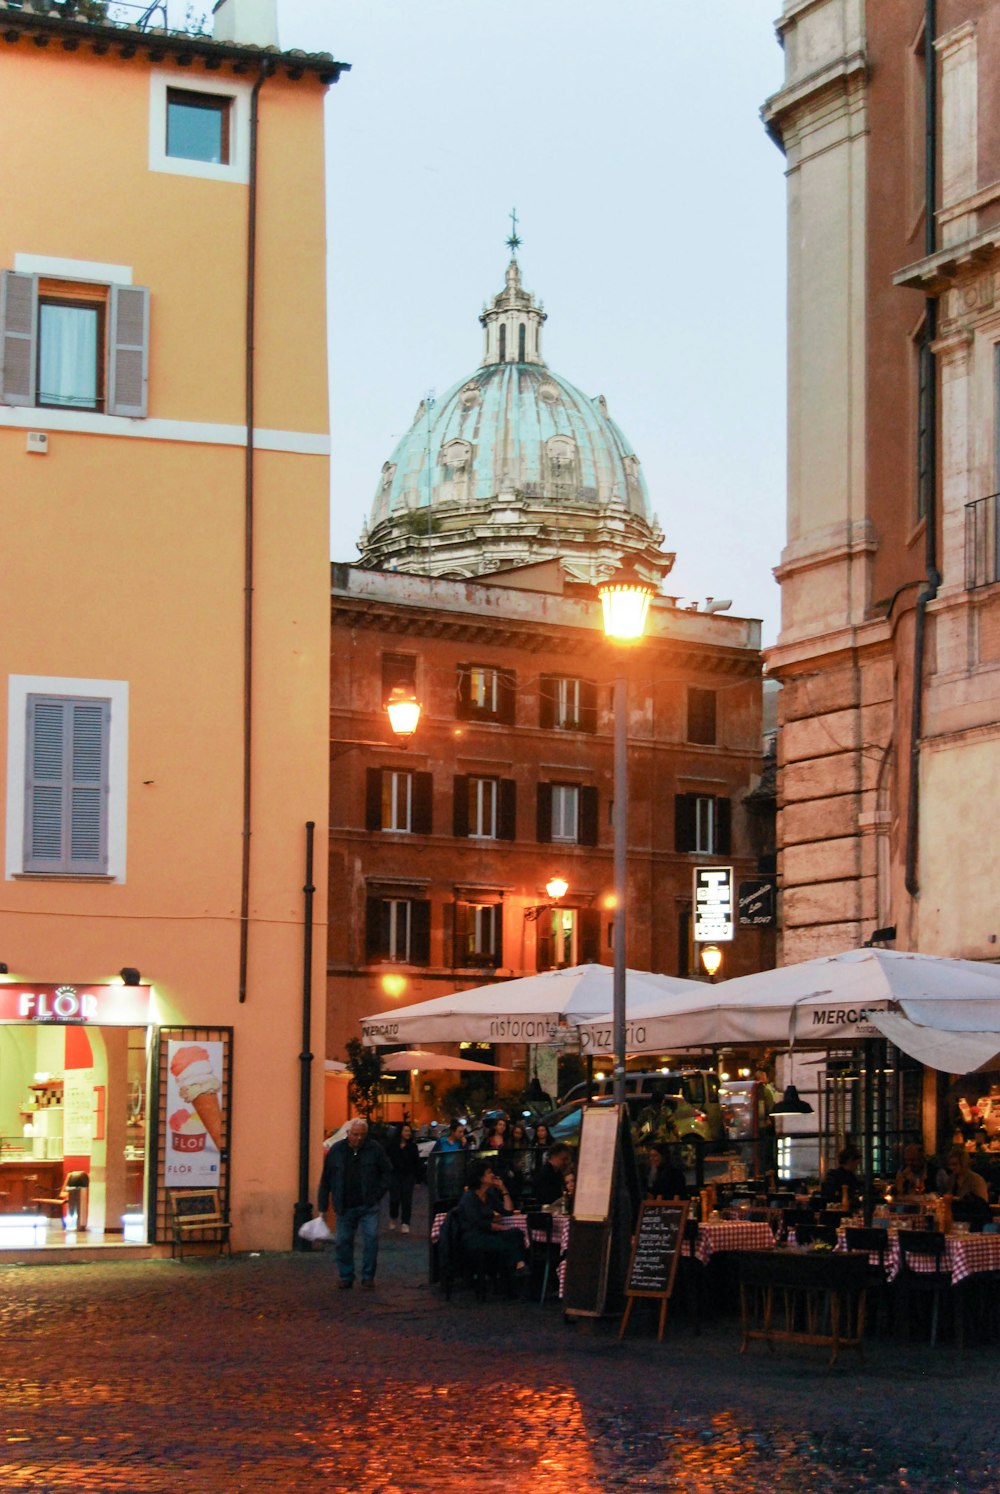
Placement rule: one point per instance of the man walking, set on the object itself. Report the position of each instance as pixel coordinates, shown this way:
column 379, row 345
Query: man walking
column 356, row 1173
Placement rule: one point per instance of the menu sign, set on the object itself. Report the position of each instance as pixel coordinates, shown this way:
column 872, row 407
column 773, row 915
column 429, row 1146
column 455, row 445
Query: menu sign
column 657, row 1244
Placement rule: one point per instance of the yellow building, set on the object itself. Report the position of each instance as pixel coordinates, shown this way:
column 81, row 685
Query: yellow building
column 163, row 718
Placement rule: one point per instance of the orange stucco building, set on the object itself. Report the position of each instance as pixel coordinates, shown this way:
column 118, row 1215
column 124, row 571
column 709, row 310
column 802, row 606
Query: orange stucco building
column 165, row 641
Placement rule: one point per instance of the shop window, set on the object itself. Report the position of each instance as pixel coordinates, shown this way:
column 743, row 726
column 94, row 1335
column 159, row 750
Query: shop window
column 198, row 126
column 701, row 716
column 485, row 693
column 567, row 704
column 399, row 800
column 567, row 812
column 398, row 930
column 484, row 807
column 702, row 823
column 73, row 345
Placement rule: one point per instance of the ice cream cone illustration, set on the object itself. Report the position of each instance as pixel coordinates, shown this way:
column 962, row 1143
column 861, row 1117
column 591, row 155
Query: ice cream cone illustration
column 199, row 1086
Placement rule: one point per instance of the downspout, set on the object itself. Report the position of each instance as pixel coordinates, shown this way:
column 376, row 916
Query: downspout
column 248, row 497
column 933, row 581
column 303, row 1208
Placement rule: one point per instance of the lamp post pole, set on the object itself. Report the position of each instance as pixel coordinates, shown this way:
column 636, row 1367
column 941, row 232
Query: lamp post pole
column 625, row 599
column 621, row 876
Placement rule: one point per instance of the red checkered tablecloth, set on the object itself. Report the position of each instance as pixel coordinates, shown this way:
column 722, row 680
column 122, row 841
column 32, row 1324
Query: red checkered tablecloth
column 730, row 1234
column 965, row 1255
column 560, row 1226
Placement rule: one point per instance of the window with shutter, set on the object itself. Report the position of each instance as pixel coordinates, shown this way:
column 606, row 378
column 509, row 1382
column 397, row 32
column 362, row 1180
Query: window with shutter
column 483, row 798
column 507, row 825
column 67, row 785
column 478, row 934
column 485, row 693
column 701, row 713
column 74, row 345
column 565, row 813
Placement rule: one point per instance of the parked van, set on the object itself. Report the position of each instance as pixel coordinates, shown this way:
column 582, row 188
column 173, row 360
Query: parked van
column 700, row 1087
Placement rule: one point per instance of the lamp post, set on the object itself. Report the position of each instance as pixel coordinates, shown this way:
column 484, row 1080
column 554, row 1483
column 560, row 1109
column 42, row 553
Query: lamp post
column 625, row 598
column 711, row 959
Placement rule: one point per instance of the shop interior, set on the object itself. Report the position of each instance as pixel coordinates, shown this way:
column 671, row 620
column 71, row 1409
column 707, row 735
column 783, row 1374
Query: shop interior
column 72, row 1134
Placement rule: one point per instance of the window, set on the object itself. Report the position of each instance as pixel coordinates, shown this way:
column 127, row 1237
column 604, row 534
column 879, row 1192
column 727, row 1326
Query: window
column 702, row 823
column 521, row 334
column 567, row 812
column 198, row 126
column 67, row 777
column 567, row 704
column 485, row 807
column 569, row 936
column 201, row 128
column 398, row 930
column 398, row 669
column 74, row 345
column 485, row 693
column 479, row 934
column 503, row 343
column 399, row 800
column 701, row 716
column 65, row 820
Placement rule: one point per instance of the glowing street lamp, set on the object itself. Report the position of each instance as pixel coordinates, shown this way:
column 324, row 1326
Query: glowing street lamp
column 557, row 887
column 711, row 959
column 404, row 710
column 625, row 598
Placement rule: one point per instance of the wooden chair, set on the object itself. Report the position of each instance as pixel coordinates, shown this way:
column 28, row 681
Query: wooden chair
column 197, row 1218
column 543, row 1253
column 691, row 1273
column 932, row 1280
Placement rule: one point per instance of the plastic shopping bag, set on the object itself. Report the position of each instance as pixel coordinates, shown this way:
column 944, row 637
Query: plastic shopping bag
column 315, row 1229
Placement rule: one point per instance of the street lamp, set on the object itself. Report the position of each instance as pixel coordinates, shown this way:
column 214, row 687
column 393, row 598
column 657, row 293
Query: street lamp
column 711, row 959
column 625, row 598
column 404, row 710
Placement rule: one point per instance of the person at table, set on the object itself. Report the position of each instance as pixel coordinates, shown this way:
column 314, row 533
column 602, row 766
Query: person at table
column 506, row 1175
column 481, row 1226
column 968, row 1190
column 666, row 1179
column 916, row 1176
column 555, row 1180
column 842, row 1182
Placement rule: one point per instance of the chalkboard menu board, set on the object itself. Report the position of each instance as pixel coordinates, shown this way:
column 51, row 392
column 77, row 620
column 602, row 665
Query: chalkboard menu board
column 655, row 1249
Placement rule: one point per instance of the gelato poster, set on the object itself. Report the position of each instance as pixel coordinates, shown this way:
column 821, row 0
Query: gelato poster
column 194, row 1117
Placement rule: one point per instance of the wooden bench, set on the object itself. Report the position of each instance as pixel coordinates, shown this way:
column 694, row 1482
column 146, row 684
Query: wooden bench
column 197, row 1218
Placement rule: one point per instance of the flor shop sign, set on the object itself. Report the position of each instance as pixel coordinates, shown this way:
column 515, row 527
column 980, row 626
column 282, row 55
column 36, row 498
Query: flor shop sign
column 110, row 1006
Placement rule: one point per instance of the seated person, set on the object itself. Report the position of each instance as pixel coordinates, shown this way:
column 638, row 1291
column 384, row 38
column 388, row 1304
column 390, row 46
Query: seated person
column 507, row 1180
column 970, row 1195
column 666, row 1179
column 844, row 1175
column 555, row 1181
column 481, row 1227
column 916, row 1176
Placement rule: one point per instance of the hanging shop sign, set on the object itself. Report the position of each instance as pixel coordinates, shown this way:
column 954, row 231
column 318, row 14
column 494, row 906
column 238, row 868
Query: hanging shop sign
column 109, row 1006
column 757, row 903
column 713, row 904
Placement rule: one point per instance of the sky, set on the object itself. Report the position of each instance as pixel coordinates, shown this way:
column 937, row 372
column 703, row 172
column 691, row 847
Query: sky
column 651, row 206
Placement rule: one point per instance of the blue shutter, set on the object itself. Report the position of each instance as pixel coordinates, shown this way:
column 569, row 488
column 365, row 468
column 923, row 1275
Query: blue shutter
column 128, row 350
column 67, row 785
column 18, row 338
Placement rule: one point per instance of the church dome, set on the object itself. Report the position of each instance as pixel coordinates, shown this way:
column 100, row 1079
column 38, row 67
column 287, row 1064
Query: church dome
column 513, row 465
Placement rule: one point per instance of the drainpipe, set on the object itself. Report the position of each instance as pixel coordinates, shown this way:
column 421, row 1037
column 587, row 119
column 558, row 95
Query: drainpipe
column 933, row 580
column 303, row 1209
column 248, row 497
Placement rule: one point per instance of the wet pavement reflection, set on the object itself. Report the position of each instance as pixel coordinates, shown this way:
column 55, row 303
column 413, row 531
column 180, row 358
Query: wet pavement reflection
column 257, row 1374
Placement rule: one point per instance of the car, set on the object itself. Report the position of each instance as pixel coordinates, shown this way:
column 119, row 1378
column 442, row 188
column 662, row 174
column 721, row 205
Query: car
column 738, row 1098
column 699, row 1087
column 666, row 1117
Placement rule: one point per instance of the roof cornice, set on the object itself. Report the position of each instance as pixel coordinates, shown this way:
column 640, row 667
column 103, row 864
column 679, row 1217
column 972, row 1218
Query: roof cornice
column 155, row 45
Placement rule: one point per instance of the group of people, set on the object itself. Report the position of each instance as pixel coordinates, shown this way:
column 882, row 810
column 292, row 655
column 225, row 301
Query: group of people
column 919, row 1175
column 359, row 1171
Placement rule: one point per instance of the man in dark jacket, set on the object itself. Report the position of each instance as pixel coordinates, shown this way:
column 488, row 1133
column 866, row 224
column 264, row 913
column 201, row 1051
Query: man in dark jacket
column 356, row 1173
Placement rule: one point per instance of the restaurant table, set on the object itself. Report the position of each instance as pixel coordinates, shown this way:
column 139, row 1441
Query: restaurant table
column 560, row 1227
column 965, row 1255
column 717, row 1236
column 818, row 1290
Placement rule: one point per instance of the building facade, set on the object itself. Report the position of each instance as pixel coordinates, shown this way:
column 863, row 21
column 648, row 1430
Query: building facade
column 889, row 651
column 496, row 514
column 164, row 469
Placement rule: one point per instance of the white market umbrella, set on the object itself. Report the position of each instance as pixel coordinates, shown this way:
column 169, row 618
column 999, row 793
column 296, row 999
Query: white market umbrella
column 938, row 1048
column 530, row 1010
column 829, row 1000
column 418, row 1058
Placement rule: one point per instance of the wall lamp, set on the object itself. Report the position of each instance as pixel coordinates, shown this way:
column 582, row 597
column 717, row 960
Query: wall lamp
column 403, row 709
column 711, row 959
column 4, row 968
column 130, row 975
column 557, row 888
column 881, row 936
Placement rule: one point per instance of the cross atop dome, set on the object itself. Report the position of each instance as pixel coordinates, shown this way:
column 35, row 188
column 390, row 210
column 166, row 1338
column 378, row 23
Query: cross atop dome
column 513, row 242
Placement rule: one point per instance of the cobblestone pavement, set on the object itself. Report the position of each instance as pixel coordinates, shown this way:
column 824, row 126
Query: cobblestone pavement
column 257, row 1374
